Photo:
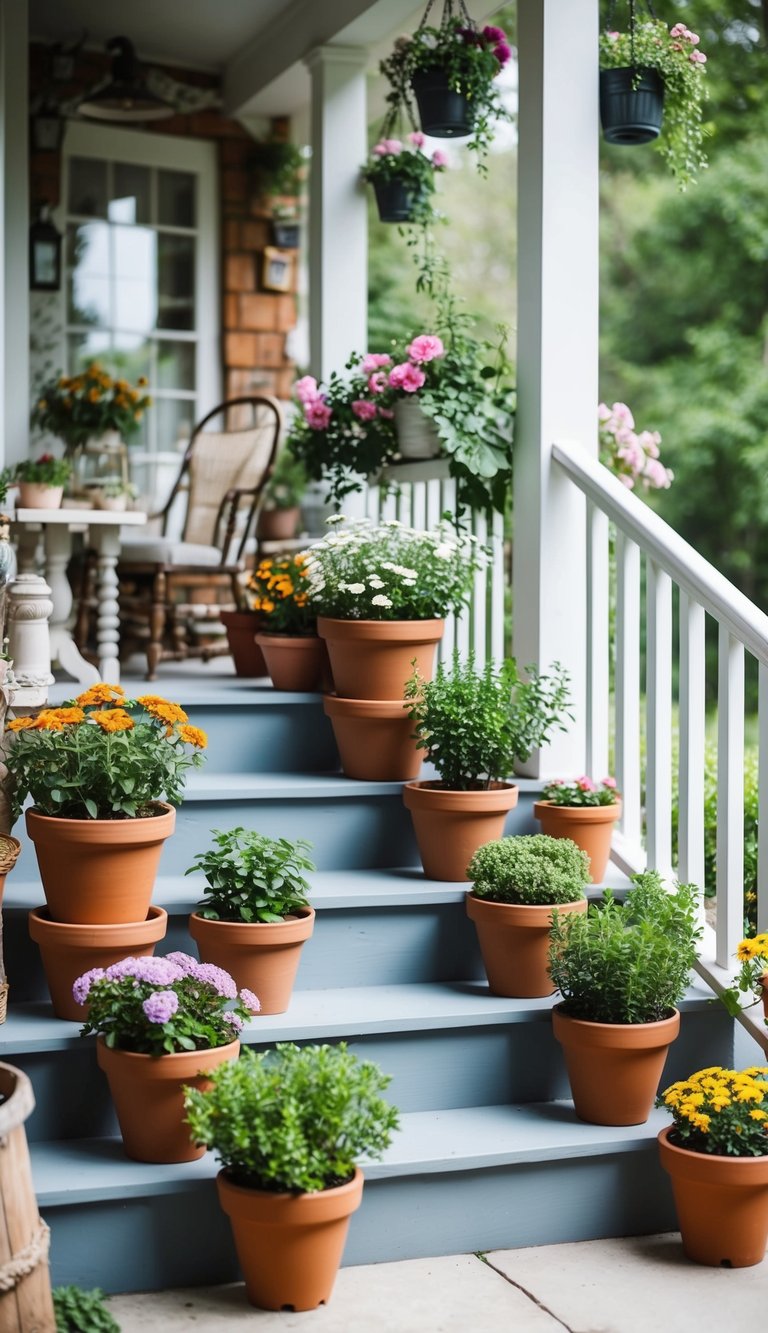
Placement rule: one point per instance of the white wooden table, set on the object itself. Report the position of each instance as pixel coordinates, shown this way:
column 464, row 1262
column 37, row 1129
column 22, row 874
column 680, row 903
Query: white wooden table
column 58, row 527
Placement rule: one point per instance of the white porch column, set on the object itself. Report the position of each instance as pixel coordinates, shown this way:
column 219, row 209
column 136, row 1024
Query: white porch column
column 14, row 231
column 338, row 216
column 557, row 358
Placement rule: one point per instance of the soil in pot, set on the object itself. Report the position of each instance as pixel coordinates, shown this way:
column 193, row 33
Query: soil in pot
column 294, row 662
column 289, row 1245
column 68, row 951
column 444, row 113
column 373, row 659
column 451, row 825
column 589, row 826
column 99, row 872
column 148, row 1092
column 631, row 105
column 242, row 628
column 614, row 1068
column 262, row 957
column 278, row 525
column 514, row 943
column 375, row 739
column 721, row 1204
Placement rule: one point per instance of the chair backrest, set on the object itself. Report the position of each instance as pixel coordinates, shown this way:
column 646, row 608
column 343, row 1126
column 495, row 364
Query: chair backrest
column 224, row 459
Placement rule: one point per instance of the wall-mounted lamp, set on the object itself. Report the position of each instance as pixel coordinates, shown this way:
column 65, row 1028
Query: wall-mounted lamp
column 44, row 254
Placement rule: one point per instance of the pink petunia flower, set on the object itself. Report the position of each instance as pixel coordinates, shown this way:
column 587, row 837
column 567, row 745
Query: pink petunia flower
column 697, row 58
column 392, row 146
column 585, row 784
column 306, row 389
column 439, row 159
column 610, row 782
column 318, row 414
column 377, row 382
column 363, row 410
column 503, row 52
column 493, row 35
column 407, row 377
column 416, row 138
column 425, row 348
column 374, row 361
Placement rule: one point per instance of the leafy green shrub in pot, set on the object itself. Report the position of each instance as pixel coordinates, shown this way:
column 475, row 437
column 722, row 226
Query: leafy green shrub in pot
column 288, row 1126
column 255, row 916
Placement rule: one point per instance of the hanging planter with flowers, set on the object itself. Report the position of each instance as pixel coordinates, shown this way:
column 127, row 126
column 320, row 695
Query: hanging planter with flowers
column 652, row 74
column 403, row 177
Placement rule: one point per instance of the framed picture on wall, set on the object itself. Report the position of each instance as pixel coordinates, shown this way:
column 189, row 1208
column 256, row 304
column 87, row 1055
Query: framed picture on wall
column 277, row 269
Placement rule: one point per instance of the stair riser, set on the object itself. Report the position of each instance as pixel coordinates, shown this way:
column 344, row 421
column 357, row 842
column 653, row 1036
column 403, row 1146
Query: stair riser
column 278, row 738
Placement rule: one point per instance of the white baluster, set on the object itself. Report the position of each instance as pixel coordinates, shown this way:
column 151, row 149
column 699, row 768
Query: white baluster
column 730, row 796
column 448, row 504
column 658, row 770
column 419, row 505
column 762, row 816
column 499, row 644
column 692, row 711
column 107, row 540
column 479, row 593
column 598, row 626
column 628, row 686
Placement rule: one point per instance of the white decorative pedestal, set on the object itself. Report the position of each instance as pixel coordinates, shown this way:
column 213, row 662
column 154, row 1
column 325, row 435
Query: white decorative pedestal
column 29, row 640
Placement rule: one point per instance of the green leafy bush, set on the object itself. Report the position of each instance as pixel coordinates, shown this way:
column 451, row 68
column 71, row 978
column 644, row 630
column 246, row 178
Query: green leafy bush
column 79, row 1311
column 474, row 724
column 293, row 1119
column 532, row 869
column 627, row 963
column 253, row 878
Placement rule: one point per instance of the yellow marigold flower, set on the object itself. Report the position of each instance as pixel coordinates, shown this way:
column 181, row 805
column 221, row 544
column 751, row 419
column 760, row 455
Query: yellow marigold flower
column 94, row 395
column 758, row 1114
column 193, row 736
column 114, row 719
column 702, row 1122
column 42, row 405
column 100, row 694
column 69, row 716
column 162, row 709
column 121, row 400
column 142, row 381
column 744, row 951
column 21, row 724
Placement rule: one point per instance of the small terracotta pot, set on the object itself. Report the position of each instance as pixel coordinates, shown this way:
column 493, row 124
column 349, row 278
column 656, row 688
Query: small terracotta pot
column 263, row 957
column 68, row 951
column 614, row 1068
column 99, row 872
column 721, row 1203
column 514, row 942
column 242, row 627
column 589, row 826
column 277, row 525
column 148, row 1092
column 451, row 825
column 289, row 1245
column 295, row 662
column 33, row 495
column 375, row 738
column 372, row 659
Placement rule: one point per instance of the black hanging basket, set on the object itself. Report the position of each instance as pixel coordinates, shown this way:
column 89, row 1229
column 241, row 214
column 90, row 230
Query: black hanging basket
column 631, row 105
column 396, row 200
column 444, row 113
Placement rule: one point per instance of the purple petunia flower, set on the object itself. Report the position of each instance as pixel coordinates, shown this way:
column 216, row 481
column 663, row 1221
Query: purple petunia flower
column 235, row 1020
column 161, row 1006
column 185, row 961
column 155, row 971
column 216, row 976
column 250, row 1000
column 82, row 986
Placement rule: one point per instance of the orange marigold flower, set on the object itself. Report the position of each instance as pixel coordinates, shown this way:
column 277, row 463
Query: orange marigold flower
column 48, row 721
column 21, row 724
column 193, row 736
column 94, row 395
column 161, row 709
column 69, row 716
column 114, row 719
column 100, row 694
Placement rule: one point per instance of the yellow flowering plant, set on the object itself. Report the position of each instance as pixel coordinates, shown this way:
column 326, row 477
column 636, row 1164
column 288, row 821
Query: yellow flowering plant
column 279, row 592
column 102, row 755
column 78, row 407
column 723, row 1112
column 753, row 956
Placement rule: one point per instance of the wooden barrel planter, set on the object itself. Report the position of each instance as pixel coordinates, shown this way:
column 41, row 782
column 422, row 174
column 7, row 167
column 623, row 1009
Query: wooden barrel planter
column 25, row 1284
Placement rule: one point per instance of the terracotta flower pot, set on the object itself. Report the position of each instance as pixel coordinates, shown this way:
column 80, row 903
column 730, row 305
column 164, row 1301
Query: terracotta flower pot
column 278, row 525
column 514, row 942
column 372, row 659
column 294, row 661
column 265, row 958
column 242, row 627
column 33, row 495
column 68, row 951
column 451, row 825
column 148, row 1092
column 375, row 738
column 721, row 1203
column 289, row 1245
column 589, row 826
column 99, row 872
column 614, row 1068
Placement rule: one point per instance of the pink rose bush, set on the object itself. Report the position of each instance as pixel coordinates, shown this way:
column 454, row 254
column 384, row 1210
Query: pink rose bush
column 408, row 164
column 582, row 791
column 633, row 456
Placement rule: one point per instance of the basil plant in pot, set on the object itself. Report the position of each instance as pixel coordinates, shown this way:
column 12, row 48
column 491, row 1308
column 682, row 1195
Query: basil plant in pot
column 516, row 882
column 622, row 969
column 255, row 915
column 473, row 725
column 289, row 1126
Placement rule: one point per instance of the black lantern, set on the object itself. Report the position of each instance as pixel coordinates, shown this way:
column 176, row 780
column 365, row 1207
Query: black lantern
column 44, row 254
column 47, row 128
column 126, row 97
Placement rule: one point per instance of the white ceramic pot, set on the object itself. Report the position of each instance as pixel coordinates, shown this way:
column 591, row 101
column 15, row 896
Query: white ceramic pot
column 417, row 436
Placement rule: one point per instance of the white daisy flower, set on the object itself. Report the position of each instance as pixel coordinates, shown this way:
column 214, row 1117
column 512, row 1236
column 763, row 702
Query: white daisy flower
column 356, row 588
column 380, row 600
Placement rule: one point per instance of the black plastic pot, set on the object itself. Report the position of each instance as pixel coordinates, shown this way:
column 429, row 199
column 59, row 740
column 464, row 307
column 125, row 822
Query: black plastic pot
column 631, row 109
column 286, row 235
column 444, row 113
column 395, row 200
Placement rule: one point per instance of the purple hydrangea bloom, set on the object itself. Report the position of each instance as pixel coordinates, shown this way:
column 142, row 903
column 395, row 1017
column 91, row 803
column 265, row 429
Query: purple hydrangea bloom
column 155, row 971
column 82, row 986
column 250, row 1000
column 185, row 961
column 235, row 1020
column 221, row 981
column 161, row 1006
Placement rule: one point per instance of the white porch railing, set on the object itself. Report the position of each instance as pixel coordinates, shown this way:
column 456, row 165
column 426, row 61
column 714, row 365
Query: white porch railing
column 640, row 535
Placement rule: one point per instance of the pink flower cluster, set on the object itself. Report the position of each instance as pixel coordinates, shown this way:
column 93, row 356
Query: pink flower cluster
column 632, row 455
column 316, row 410
column 685, row 35
column 583, row 791
column 408, row 376
column 394, row 147
column 493, row 37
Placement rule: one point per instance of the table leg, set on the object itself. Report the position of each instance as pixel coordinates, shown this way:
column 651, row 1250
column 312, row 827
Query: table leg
column 58, row 549
column 107, row 542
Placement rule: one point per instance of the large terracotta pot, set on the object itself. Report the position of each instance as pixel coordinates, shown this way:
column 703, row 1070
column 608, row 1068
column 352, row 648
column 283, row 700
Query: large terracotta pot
column 99, row 872
column 721, row 1203
column 148, row 1092
column 372, row 659
column 277, row 525
column 289, row 1245
column 514, row 942
column 265, row 958
column 242, row 627
column 68, row 951
column 33, row 495
column 295, row 662
column 451, row 825
column 589, row 826
column 614, row 1068
column 375, row 738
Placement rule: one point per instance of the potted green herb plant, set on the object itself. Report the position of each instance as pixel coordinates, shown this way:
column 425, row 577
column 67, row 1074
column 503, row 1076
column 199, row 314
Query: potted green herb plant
column 41, row 482
column 278, row 519
column 473, row 725
column 289, row 1126
column 515, row 884
column 403, row 177
column 622, row 970
column 255, row 915
column 584, row 811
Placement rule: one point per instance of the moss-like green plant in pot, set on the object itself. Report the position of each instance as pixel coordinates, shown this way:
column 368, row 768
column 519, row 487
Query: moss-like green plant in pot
column 473, row 725
column 516, row 882
column 289, row 1127
column 255, row 916
column 622, row 970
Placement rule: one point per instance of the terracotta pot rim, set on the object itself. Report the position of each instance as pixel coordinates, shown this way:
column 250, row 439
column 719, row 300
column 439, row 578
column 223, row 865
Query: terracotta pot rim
column 580, row 814
column 176, row 1064
column 92, row 830
column 256, row 934
column 710, row 1163
column 43, row 928
column 617, row 1034
column 422, row 631
column 384, row 710
column 291, row 1209
column 232, row 617
column 535, row 915
column 432, row 796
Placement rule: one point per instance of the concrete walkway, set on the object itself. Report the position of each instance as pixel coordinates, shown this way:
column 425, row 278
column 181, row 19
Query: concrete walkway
column 640, row 1285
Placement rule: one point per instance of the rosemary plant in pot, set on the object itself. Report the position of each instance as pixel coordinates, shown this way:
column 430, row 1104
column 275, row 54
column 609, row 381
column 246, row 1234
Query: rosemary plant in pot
column 621, row 970
column 289, row 1126
column 515, row 884
column 473, row 725
column 255, row 916
column 584, row 811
